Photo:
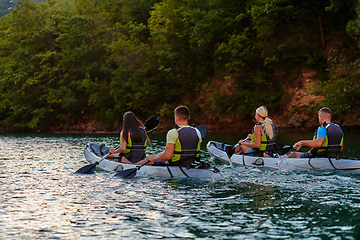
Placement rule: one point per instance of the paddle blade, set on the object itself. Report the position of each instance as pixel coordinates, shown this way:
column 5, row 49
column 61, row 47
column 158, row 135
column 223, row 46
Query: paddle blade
column 127, row 174
column 282, row 149
column 88, row 169
column 152, row 123
column 229, row 151
column 286, row 149
column 202, row 130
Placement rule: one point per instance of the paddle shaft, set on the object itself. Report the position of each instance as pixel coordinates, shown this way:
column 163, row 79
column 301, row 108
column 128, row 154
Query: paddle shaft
column 97, row 163
column 231, row 150
column 131, row 172
column 140, row 166
column 238, row 144
column 91, row 167
column 287, row 148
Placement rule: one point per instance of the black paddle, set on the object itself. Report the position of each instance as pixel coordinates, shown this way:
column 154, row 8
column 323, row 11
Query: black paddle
column 231, row 150
column 129, row 173
column 283, row 149
column 202, row 130
column 88, row 169
column 150, row 125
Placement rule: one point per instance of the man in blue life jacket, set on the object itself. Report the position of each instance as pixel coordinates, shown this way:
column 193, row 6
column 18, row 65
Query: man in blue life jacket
column 328, row 139
column 182, row 142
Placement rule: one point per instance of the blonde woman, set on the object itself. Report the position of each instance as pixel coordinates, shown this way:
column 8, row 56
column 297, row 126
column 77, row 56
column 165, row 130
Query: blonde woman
column 262, row 136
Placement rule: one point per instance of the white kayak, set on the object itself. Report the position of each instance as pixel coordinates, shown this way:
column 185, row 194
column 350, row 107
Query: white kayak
column 204, row 170
column 217, row 150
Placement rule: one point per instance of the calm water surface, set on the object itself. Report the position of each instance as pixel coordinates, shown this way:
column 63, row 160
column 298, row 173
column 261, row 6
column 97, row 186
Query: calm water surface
column 41, row 198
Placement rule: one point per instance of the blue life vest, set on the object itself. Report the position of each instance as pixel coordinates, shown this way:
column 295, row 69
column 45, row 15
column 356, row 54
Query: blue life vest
column 333, row 141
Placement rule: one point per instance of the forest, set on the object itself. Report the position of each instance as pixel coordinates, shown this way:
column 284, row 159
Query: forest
column 65, row 62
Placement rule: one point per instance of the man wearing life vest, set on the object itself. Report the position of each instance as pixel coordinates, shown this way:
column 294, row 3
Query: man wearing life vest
column 328, row 138
column 182, row 142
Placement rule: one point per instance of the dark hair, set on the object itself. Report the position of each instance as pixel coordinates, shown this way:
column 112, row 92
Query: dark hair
column 130, row 122
column 182, row 112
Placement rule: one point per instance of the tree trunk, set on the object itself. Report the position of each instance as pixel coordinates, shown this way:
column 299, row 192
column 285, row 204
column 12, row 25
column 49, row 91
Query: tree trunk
column 322, row 33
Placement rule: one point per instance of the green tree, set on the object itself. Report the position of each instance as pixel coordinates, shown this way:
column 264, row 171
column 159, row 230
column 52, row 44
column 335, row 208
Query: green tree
column 341, row 89
column 28, row 56
column 185, row 35
column 55, row 66
column 281, row 37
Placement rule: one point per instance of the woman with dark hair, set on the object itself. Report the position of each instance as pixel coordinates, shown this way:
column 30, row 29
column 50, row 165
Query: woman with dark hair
column 133, row 140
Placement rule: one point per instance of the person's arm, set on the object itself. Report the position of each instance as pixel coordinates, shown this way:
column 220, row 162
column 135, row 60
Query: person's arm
column 318, row 142
column 257, row 143
column 171, row 137
column 122, row 145
column 165, row 156
column 342, row 141
column 147, row 139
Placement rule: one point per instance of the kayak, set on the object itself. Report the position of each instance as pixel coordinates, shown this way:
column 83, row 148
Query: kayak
column 203, row 170
column 217, row 150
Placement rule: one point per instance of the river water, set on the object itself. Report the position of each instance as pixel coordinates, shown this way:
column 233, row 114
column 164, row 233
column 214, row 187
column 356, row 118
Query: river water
column 41, row 198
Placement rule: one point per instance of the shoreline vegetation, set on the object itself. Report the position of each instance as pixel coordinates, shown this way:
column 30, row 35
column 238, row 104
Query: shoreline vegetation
column 78, row 66
column 282, row 124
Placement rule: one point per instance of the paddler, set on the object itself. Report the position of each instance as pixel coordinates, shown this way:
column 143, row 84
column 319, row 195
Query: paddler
column 182, row 142
column 262, row 136
column 133, row 140
column 328, row 139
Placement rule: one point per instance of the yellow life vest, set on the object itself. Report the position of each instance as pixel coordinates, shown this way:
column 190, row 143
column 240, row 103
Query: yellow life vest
column 135, row 152
column 187, row 146
column 266, row 143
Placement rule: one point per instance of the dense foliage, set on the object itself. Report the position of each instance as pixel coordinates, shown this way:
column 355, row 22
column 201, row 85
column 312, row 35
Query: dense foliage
column 70, row 61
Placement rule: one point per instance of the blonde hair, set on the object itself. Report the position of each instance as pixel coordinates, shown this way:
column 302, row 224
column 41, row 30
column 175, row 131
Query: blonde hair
column 263, row 112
